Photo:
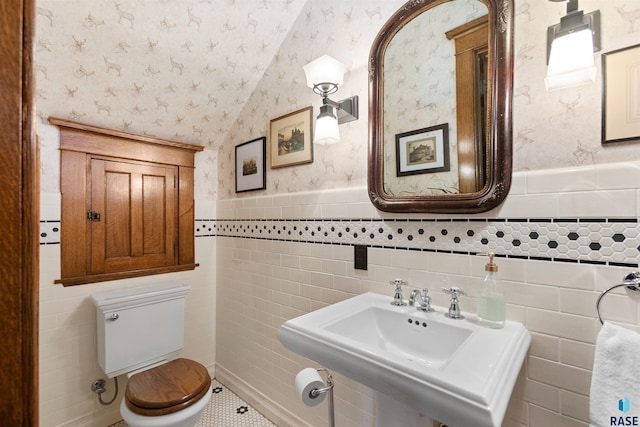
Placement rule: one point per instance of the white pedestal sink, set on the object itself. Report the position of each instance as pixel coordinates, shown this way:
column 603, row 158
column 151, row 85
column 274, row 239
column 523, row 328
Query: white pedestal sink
column 454, row 371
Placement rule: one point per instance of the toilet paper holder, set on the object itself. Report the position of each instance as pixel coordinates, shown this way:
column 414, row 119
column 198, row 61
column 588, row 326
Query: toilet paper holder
column 317, row 392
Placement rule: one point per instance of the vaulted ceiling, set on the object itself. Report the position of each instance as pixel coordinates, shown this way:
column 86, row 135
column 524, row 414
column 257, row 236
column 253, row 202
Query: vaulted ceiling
column 173, row 69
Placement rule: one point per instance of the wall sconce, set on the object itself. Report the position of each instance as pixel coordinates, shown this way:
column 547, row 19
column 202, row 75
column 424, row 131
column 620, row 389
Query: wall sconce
column 570, row 48
column 325, row 75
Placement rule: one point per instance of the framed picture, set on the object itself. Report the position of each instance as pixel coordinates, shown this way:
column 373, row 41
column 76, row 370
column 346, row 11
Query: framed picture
column 291, row 139
column 621, row 95
column 251, row 173
column 423, row 151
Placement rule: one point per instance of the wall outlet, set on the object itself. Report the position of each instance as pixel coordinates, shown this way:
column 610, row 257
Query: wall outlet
column 360, row 257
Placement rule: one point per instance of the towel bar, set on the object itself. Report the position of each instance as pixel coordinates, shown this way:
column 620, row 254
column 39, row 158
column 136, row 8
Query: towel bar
column 631, row 281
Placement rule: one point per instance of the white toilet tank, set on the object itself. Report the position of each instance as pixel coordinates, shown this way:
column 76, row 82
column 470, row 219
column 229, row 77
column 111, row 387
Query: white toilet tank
column 140, row 326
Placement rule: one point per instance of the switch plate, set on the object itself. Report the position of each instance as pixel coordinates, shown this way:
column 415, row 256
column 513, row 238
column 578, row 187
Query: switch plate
column 360, row 257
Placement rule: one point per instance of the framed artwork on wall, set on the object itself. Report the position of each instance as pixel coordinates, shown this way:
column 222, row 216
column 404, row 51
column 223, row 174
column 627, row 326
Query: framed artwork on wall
column 251, row 173
column 423, row 150
column 291, row 139
column 621, row 95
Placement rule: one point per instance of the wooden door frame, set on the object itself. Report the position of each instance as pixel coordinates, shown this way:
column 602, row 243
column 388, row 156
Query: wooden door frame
column 19, row 216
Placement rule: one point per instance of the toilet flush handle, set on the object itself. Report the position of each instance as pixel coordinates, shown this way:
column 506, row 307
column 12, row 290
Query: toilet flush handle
column 113, row 317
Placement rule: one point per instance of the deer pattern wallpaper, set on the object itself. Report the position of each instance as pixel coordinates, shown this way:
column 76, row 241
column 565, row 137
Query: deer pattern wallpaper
column 216, row 72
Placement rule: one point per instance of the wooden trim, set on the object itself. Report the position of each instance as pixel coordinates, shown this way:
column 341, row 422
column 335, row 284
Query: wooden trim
column 471, row 40
column 94, row 278
column 73, row 165
column 186, row 214
column 124, row 135
column 19, row 214
column 469, row 27
column 103, row 144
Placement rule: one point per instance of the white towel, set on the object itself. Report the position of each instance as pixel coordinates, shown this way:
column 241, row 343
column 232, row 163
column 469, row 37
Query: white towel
column 615, row 388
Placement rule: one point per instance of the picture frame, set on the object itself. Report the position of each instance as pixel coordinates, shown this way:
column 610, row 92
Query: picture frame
column 621, row 95
column 423, row 150
column 291, row 139
column 251, row 173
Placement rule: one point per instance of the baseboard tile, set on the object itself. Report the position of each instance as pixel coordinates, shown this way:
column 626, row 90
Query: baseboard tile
column 274, row 412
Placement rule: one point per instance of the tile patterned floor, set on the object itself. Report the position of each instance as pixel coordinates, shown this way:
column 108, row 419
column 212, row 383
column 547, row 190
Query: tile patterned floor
column 225, row 409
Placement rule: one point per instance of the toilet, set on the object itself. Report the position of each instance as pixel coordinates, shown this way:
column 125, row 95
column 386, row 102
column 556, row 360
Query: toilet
column 140, row 332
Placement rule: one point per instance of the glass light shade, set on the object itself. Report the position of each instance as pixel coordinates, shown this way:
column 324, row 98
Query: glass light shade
column 571, row 61
column 324, row 70
column 326, row 131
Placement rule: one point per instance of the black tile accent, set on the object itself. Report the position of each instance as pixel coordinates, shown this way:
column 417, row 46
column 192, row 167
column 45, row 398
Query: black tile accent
column 572, row 261
column 617, row 220
column 583, row 261
column 623, row 264
column 618, row 237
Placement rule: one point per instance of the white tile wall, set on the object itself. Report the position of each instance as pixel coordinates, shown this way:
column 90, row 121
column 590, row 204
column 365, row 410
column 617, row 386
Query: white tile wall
column 275, row 281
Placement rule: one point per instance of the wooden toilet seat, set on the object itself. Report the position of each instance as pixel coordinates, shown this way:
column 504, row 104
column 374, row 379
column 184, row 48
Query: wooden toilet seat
column 167, row 388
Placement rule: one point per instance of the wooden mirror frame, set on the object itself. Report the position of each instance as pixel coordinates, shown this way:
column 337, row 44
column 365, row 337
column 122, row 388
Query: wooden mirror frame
column 499, row 126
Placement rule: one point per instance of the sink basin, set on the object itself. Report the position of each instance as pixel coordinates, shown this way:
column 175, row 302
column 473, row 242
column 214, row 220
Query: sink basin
column 389, row 332
column 455, row 371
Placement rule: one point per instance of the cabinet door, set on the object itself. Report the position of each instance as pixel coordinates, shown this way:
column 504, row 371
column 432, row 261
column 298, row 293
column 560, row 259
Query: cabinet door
column 137, row 223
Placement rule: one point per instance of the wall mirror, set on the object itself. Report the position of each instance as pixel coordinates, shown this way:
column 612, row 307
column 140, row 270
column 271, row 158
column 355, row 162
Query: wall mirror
column 440, row 91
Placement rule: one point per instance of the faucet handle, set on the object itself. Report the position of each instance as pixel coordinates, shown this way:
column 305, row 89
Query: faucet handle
column 397, row 297
column 454, row 308
column 398, row 283
column 453, row 291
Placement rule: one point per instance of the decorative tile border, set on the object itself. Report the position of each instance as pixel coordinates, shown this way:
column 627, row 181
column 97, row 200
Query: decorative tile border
column 604, row 241
column 50, row 232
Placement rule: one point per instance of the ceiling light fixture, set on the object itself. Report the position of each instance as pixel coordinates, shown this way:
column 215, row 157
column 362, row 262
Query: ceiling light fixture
column 325, row 75
column 570, row 48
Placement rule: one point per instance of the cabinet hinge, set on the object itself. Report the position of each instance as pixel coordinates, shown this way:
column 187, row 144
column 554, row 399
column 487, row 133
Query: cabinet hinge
column 93, row 216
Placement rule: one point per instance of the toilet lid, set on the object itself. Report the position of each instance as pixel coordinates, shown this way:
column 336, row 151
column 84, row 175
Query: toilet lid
column 167, row 388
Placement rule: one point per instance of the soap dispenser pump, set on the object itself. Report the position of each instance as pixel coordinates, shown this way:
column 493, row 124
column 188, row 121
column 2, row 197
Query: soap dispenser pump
column 491, row 301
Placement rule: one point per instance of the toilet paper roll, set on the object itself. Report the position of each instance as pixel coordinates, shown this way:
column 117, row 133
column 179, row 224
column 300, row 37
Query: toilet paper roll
column 307, row 380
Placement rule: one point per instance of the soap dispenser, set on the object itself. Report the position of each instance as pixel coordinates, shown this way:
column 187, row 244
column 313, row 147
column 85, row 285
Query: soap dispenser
column 491, row 301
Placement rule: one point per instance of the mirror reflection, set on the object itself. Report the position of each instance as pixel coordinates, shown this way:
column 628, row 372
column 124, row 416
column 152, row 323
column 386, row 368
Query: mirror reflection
column 434, row 103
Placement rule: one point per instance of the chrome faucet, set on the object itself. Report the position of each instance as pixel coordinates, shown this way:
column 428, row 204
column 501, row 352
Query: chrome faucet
column 397, row 297
column 424, row 299
column 454, row 308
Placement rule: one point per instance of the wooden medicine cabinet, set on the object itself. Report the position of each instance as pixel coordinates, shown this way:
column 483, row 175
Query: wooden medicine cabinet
column 127, row 204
